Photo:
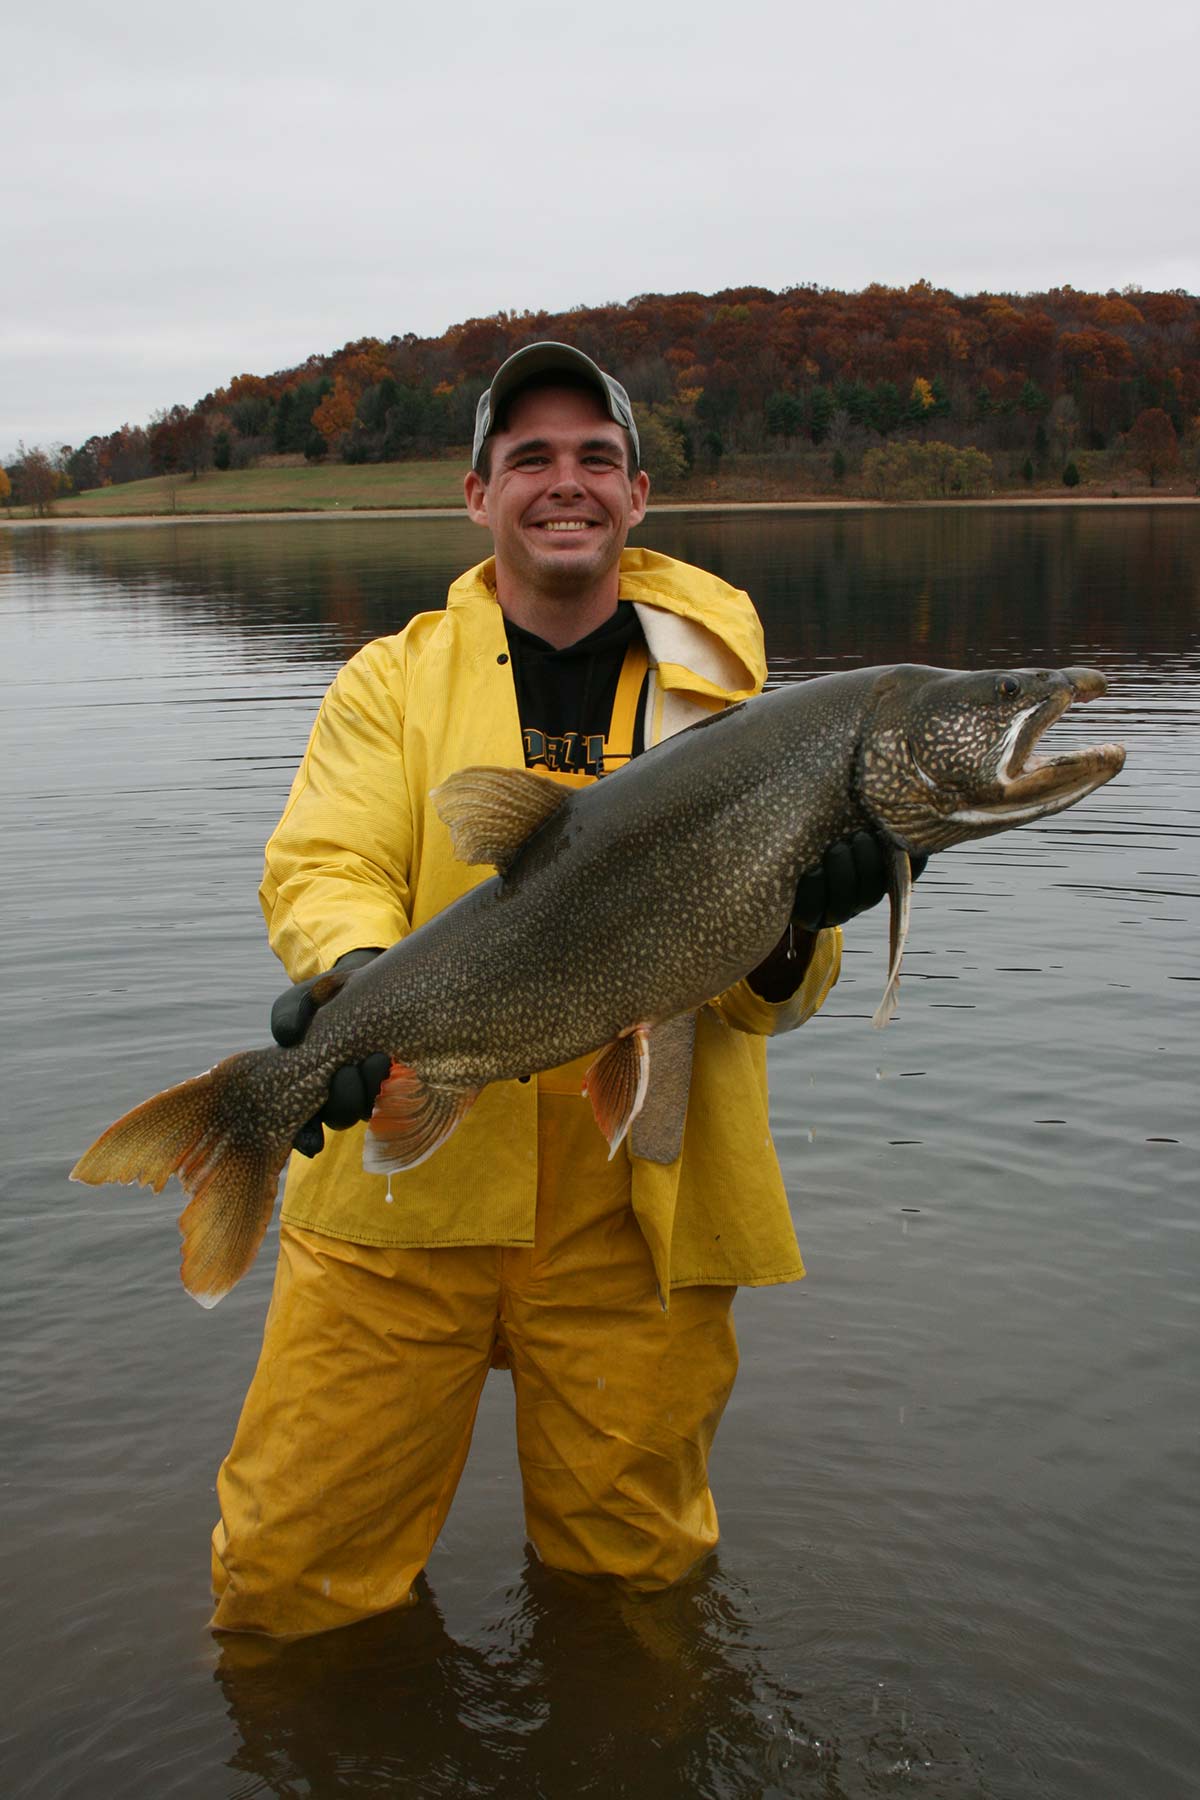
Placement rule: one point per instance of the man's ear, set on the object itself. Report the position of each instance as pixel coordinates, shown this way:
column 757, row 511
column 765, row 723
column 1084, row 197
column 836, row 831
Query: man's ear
column 640, row 486
column 475, row 489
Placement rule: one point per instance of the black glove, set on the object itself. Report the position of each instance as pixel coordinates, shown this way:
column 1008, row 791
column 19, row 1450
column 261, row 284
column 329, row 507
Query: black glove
column 851, row 876
column 354, row 1086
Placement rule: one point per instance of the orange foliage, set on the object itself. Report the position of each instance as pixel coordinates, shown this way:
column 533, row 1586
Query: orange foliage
column 336, row 412
column 1114, row 354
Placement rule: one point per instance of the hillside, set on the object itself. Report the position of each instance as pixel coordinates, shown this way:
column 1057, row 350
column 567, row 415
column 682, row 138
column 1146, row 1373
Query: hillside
column 810, row 386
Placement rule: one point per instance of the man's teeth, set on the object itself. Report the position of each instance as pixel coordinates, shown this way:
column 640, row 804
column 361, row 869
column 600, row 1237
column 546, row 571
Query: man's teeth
column 565, row 524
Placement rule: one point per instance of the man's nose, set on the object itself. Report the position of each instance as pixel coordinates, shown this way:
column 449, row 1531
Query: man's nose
column 565, row 476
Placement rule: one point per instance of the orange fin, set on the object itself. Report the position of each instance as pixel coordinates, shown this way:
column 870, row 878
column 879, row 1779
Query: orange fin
column 207, row 1133
column 616, row 1084
column 411, row 1120
column 492, row 813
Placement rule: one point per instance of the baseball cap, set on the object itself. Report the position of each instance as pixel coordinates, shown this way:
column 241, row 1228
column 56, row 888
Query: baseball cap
column 543, row 359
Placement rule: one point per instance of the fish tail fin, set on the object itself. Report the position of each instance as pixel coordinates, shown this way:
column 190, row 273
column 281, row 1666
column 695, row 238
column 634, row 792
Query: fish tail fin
column 212, row 1133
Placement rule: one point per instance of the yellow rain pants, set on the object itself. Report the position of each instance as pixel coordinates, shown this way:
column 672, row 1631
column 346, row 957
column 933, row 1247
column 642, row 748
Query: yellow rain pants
column 357, row 1424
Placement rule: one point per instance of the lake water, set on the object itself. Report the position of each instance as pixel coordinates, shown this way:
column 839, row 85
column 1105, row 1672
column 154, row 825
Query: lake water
column 958, row 1477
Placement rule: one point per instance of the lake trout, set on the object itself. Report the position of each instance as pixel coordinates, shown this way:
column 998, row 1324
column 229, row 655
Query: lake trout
column 617, row 911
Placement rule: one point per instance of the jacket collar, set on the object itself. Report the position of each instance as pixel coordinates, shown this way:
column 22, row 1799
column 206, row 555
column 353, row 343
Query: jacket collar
column 704, row 636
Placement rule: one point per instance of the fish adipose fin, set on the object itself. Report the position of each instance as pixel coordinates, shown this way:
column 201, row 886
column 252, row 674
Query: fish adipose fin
column 203, row 1132
column 900, row 887
column 411, row 1120
column 616, row 1084
column 492, row 813
column 657, row 1132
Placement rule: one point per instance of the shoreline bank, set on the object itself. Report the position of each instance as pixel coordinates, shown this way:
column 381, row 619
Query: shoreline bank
column 82, row 521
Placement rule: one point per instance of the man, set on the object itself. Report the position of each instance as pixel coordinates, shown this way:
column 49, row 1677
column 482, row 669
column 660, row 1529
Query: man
column 604, row 1286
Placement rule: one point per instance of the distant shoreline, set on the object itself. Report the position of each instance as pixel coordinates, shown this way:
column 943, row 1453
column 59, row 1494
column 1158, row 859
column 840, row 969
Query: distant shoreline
column 833, row 504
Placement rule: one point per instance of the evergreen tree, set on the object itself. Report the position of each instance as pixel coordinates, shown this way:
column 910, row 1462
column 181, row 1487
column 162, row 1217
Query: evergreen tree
column 784, row 415
column 820, row 414
column 887, row 407
column 1032, row 400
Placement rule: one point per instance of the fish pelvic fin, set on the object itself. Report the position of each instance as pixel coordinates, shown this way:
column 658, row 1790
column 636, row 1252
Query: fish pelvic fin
column 209, row 1133
column 411, row 1120
column 900, row 886
column 492, row 813
column 616, row 1084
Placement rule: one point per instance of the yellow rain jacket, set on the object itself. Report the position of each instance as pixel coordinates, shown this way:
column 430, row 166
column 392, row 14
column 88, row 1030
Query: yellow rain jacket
column 360, row 857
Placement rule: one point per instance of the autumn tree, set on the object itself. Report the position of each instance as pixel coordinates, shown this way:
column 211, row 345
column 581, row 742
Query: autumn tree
column 663, row 456
column 5, row 487
column 907, row 471
column 920, row 401
column 37, row 483
column 180, row 440
column 335, row 415
column 1151, row 444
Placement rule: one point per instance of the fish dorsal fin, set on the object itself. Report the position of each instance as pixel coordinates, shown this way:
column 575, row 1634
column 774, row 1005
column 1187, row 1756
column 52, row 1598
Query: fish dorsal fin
column 616, row 1084
column 492, row 813
column 657, row 1132
column 900, row 886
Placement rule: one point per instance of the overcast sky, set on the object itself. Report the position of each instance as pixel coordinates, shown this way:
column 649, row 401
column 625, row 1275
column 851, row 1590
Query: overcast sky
column 187, row 193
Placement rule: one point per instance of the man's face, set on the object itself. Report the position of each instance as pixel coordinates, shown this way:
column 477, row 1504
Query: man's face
column 560, row 502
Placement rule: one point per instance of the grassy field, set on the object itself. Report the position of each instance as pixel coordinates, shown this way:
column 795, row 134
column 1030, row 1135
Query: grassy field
column 333, row 487
column 370, row 487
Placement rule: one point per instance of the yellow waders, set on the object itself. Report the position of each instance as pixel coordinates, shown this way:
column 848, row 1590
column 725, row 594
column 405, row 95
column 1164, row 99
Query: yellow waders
column 359, row 1417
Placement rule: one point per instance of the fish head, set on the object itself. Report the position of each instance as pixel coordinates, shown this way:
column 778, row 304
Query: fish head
column 948, row 754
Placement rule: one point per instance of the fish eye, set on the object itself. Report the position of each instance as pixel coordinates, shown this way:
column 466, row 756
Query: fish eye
column 1007, row 687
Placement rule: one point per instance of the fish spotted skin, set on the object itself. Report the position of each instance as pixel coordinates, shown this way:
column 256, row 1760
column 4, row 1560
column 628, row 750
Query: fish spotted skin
column 636, row 900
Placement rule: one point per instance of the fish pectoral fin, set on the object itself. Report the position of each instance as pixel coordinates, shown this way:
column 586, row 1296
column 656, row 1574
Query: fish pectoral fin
column 657, row 1132
column 411, row 1120
column 900, row 886
column 492, row 813
column 616, row 1084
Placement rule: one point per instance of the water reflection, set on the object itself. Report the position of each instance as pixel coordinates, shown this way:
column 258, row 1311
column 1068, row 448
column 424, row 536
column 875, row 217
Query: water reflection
column 573, row 1689
column 969, row 587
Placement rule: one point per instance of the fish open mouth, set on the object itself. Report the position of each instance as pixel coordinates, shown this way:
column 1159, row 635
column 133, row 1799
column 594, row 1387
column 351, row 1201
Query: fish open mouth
column 1031, row 783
